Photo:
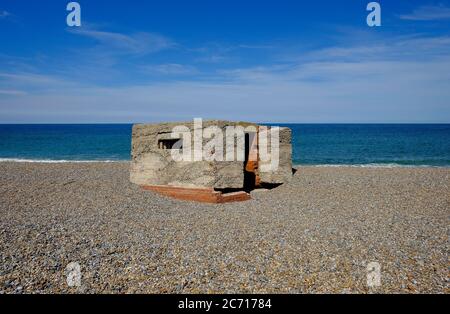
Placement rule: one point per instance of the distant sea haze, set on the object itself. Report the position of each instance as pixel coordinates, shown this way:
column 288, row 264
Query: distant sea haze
column 375, row 145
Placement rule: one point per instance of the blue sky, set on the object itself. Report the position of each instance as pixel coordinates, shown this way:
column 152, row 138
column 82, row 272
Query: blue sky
column 263, row 61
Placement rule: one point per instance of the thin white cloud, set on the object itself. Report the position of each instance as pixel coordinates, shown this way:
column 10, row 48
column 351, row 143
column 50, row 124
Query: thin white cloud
column 346, row 84
column 33, row 79
column 245, row 46
column 28, row 78
column 215, row 53
column 12, row 92
column 413, row 47
column 25, row 83
column 170, row 69
column 428, row 13
column 138, row 43
column 213, row 58
column 4, row 14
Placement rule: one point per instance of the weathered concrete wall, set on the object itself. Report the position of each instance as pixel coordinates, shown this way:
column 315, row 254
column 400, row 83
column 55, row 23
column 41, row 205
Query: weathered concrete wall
column 152, row 165
column 283, row 173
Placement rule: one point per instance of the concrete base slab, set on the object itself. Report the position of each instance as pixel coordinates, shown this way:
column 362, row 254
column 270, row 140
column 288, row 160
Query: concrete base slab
column 204, row 195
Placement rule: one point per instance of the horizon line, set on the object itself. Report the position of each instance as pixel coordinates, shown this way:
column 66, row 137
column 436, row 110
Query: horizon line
column 257, row 122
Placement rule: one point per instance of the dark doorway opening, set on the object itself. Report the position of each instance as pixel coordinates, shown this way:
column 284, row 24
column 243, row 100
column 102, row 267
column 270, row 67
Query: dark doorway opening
column 175, row 143
column 249, row 168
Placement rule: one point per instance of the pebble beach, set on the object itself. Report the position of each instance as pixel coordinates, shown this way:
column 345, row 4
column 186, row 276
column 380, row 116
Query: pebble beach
column 316, row 234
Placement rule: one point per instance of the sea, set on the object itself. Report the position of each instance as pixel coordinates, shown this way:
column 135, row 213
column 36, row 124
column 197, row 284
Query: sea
column 359, row 145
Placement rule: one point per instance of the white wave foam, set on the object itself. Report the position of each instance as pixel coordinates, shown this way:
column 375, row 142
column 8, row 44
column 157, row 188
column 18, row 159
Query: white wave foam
column 50, row 161
column 372, row 165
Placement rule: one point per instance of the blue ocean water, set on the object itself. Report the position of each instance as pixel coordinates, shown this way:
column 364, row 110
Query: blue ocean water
column 371, row 144
column 80, row 142
column 313, row 144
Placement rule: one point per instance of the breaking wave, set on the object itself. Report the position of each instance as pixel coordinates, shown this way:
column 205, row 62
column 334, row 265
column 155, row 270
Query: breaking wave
column 370, row 165
column 49, row 161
